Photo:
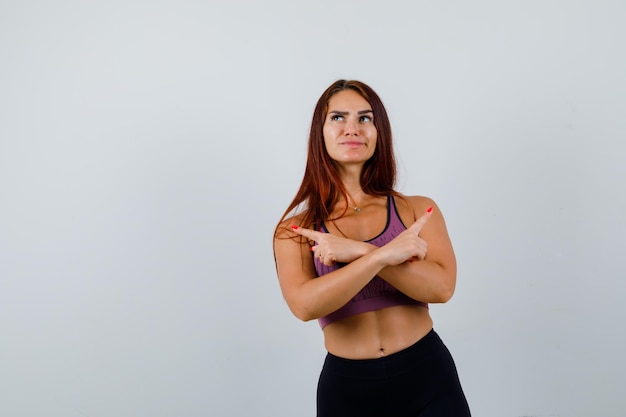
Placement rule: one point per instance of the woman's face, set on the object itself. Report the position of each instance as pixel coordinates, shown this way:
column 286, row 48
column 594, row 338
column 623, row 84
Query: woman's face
column 349, row 131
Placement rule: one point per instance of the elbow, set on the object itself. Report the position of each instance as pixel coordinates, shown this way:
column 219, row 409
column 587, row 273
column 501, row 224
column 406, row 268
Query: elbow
column 301, row 305
column 447, row 285
column 303, row 316
column 302, row 313
column 444, row 292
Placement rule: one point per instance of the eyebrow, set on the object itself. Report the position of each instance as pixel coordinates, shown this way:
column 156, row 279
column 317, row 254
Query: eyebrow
column 343, row 113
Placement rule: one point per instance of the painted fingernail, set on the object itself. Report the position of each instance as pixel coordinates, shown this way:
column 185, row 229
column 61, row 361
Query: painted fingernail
column 294, row 227
column 311, row 247
column 430, row 209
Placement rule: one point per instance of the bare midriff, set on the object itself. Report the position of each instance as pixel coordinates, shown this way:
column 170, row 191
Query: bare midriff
column 379, row 333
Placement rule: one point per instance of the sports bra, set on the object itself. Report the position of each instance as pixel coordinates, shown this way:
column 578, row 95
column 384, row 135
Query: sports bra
column 378, row 293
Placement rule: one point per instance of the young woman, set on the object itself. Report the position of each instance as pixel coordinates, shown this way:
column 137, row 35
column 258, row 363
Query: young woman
column 365, row 261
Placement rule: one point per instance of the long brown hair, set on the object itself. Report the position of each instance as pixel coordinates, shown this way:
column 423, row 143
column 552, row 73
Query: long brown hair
column 321, row 185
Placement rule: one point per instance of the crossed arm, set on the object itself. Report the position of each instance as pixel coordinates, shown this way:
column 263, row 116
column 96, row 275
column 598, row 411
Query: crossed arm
column 420, row 262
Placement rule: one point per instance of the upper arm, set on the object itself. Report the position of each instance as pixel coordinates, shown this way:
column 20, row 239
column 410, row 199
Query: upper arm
column 435, row 233
column 294, row 263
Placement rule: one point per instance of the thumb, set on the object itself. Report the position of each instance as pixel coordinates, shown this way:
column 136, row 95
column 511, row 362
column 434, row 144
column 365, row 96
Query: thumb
column 419, row 223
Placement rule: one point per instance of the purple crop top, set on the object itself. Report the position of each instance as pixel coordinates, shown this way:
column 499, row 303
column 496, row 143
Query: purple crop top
column 378, row 293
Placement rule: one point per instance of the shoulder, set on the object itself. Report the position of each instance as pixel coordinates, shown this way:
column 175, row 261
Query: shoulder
column 414, row 204
column 284, row 230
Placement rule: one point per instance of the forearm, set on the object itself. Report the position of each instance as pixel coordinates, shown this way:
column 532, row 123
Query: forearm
column 422, row 280
column 323, row 295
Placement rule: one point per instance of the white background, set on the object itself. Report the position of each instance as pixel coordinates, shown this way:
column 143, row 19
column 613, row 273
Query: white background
column 147, row 149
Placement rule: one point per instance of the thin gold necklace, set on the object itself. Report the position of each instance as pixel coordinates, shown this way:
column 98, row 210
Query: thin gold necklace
column 355, row 208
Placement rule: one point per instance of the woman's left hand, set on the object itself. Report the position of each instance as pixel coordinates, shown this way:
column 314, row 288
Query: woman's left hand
column 330, row 248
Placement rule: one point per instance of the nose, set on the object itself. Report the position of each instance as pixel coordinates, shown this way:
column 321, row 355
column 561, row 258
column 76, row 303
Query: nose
column 351, row 129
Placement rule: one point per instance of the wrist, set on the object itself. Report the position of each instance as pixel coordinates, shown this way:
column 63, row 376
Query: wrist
column 376, row 256
column 367, row 248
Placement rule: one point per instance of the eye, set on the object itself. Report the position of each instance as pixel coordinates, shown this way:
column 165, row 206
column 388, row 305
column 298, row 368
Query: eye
column 336, row 117
column 365, row 118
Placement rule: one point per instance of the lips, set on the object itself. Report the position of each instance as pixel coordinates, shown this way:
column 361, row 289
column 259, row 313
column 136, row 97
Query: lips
column 351, row 143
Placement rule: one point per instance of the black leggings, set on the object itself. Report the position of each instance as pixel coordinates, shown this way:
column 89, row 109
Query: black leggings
column 419, row 381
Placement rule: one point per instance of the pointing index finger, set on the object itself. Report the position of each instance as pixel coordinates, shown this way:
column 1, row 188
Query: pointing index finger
column 419, row 223
column 308, row 233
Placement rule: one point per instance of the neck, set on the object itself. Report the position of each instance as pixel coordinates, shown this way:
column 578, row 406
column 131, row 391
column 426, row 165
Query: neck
column 351, row 179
